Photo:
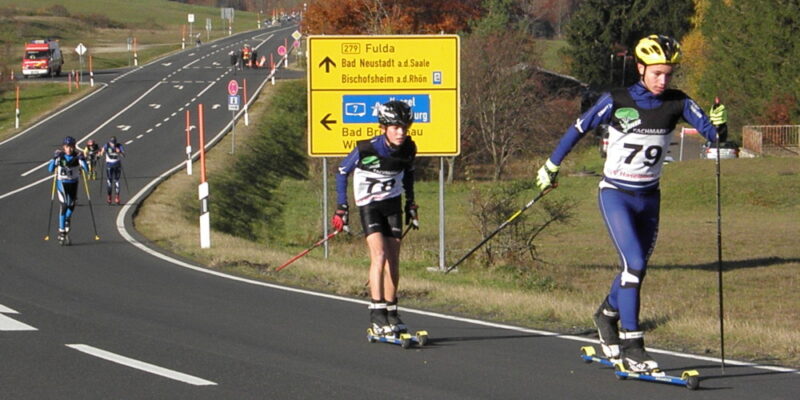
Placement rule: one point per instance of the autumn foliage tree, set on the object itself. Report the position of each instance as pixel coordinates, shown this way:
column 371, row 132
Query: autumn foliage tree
column 389, row 16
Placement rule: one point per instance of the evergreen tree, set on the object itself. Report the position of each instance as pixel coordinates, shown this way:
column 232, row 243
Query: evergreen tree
column 600, row 28
column 753, row 45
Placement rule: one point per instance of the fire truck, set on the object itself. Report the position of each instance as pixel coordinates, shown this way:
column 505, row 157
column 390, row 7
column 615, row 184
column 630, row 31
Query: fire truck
column 42, row 57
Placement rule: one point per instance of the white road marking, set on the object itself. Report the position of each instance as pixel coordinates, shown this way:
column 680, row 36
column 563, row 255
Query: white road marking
column 158, row 124
column 124, row 128
column 140, row 136
column 149, row 130
column 15, row 191
column 166, row 64
column 10, row 324
column 155, row 106
column 129, row 141
column 140, row 365
column 215, row 106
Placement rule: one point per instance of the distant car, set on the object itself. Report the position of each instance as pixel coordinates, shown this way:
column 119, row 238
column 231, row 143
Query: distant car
column 726, row 150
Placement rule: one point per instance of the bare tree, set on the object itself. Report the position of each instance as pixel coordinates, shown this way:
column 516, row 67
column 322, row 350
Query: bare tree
column 503, row 97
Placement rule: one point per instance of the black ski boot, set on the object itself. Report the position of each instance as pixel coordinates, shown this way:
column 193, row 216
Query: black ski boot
column 380, row 323
column 395, row 322
column 634, row 357
column 63, row 238
column 606, row 319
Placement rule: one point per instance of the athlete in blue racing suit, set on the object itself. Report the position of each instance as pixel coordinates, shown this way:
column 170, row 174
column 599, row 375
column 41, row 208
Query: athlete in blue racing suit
column 113, row 152
column 67, row 164
column 641, row 120
column 383, row 169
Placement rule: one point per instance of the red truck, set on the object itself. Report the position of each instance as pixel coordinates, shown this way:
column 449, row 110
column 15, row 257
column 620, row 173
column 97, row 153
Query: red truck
column 42, row 57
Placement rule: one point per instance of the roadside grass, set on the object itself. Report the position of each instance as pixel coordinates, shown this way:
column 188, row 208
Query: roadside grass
column 157, row 26
column 36, row 101
column 576, row 262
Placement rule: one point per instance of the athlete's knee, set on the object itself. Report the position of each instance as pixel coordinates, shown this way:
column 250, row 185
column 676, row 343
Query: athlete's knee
column 631, row 278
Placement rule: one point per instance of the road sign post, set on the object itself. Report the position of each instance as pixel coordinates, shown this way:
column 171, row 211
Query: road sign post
column 350, row 75
column 81, row 50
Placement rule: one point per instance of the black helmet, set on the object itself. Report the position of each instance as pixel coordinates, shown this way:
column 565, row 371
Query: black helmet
column 113, row 140
column 69, row 141
column 395, row 112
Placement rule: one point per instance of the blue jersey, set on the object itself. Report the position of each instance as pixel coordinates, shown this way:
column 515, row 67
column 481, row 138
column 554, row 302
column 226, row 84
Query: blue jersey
column 382, row 172
column 605, row 112
column 114, row 154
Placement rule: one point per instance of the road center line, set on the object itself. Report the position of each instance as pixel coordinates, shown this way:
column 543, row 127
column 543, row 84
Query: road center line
column 140, row 365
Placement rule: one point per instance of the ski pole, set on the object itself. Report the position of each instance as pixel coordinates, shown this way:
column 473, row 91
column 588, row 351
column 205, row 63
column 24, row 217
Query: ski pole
column 306, row 251
column 719, row 266
column 125, row 178
column 102, row 178
column 89, row 199
column 500, row 228
column 52, row 200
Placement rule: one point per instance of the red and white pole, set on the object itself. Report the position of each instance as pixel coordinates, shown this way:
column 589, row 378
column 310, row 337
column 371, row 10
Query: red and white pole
column 286, row 56
column 188, row 144
column 246, row 116
column 17, row 112
column 91, row 72
column 205, row 217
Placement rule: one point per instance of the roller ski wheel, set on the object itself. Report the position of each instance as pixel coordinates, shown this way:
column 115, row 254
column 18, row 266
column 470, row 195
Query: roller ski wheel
column 690, row 379
column 422, row 338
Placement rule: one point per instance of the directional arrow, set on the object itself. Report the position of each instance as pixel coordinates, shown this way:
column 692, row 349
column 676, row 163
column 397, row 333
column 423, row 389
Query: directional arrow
column 123, row 127
column 10, row 324
column 155, row 106
column 325, row 121
column 327, row 62
column 179, row 87
column 166, row 64
column 215, row 106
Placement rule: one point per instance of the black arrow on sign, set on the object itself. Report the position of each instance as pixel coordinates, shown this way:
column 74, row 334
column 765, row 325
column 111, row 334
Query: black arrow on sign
column 325, row 121
column 328, row 62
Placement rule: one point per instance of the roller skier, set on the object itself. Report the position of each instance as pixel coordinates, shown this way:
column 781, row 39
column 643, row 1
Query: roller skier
column 383, row 169
column 641, row 120
column 113, row 152
column 66, row 164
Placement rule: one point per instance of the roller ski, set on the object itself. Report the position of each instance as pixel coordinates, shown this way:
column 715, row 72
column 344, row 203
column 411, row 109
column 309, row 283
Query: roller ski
column 388, row 328
column 63, row 239
column 623, row 370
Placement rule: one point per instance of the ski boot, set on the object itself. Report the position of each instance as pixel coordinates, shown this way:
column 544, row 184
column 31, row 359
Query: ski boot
column 606, row 319
column 395, row 323
column 116, row 199
column 377, row 315
column 633, row 355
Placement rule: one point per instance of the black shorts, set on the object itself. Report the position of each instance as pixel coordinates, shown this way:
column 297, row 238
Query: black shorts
column 385, row 216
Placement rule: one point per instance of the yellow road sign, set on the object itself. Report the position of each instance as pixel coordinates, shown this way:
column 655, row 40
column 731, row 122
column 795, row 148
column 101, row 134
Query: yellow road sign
column 349, row 75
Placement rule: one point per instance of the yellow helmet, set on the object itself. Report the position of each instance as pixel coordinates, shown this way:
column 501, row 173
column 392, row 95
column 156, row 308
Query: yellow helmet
column 658, row 49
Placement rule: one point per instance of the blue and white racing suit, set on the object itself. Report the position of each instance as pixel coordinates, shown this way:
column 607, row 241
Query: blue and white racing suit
column 640, row 130
column 67, row 169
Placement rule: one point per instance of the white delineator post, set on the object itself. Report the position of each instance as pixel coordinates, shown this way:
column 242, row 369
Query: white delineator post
column 205, row 216
column 246, row 116
column 188, row 145
column 16, row 125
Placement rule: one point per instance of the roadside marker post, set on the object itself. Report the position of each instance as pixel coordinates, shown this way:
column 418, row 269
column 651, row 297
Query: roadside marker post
column 91, row 72
column 244, row 101
column 202, row 189
column 17, row 110
column 188, row 144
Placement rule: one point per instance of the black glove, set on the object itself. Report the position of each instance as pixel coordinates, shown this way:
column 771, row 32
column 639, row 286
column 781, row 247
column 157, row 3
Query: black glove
column 412, row 217
column 57, row 153
column 340, row 218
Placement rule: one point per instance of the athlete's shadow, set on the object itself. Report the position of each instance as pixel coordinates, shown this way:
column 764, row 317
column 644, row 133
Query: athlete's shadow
column 706, row 376
column 730, row 265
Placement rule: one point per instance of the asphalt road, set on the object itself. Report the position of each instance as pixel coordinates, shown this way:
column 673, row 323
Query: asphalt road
column 107, row 320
